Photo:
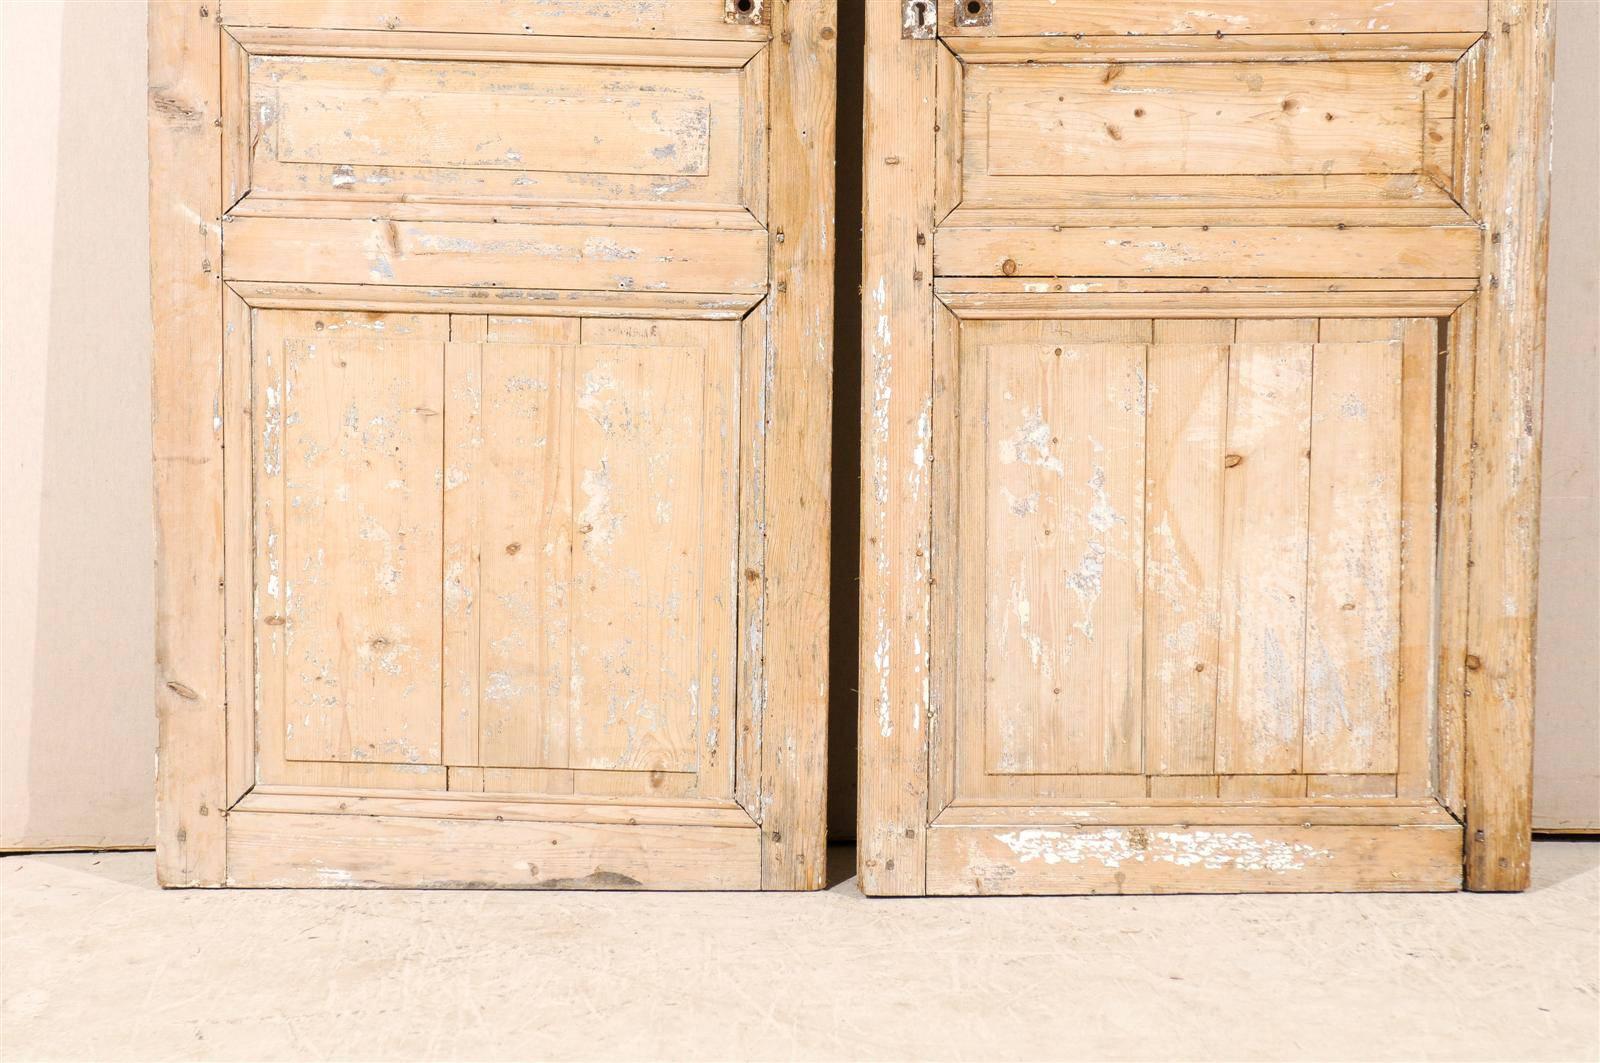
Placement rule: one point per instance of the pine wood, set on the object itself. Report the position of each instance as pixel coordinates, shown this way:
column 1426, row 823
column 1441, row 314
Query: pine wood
column 185, row 284
column 477, row 325
column 1502, row 594
column 1208, row 401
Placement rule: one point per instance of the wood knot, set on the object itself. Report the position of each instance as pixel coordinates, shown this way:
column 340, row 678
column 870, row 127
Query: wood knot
column 185, row 692
column 512, row 548
column 1473, row 662
column 1232, row 460
column 1009, row 267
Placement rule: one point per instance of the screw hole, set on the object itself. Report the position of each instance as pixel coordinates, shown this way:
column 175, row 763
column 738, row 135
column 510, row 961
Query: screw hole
column 974, row 7
column 745, row 6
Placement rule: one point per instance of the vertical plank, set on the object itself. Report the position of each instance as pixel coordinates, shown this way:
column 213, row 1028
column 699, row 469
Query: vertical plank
column 185, row 287
column 1261, row 682
column 1504, row 567
column 524, row 540
column 1419, row 515
column 1065, row 557
column 362, row 445
column 1353, row 561
column 463, row 445
column 1183, row 485
column 897, row 247
column 637, row 555
column 800, row 217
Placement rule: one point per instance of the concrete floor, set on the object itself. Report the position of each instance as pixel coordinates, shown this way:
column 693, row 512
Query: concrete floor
column 100, row 964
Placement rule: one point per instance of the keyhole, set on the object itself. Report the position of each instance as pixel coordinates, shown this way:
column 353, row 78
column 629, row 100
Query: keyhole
column 745, row 6
column 921, row 11
column 974, row 7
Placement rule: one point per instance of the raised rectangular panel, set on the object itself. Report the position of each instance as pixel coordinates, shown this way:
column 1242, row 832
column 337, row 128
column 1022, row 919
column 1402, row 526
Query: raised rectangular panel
column 1272, row 130
column 463, row 119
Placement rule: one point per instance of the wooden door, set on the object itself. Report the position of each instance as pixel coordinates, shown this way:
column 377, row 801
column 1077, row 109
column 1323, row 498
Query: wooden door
column 492, row 418
column 1202, row 355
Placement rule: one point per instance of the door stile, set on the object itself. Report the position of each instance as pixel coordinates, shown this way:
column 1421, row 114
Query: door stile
column 900, row 88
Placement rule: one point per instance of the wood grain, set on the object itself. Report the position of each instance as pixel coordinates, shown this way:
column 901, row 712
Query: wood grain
column 187, row 393
column 1504, row 552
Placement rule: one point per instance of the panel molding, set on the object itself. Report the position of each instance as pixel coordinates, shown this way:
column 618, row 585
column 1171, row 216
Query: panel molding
column 522, row 302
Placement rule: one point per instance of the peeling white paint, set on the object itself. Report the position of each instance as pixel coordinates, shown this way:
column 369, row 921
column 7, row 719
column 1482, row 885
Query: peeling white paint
column 1113, row 847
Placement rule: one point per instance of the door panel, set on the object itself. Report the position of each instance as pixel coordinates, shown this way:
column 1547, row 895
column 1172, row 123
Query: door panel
column 1172, row 339
column 498, row 385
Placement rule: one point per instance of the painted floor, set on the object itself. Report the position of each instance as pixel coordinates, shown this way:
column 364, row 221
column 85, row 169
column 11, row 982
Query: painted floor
column 100, row 964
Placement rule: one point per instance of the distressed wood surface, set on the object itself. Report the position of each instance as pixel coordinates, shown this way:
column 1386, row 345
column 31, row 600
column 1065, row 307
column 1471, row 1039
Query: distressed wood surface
column 1508, row 402
column 897, row 340
column 1304, row 451
column 438, row 122
column 1197, row 118
column 685, row 19
column 799, row 429
column 1183, row 552
column 309, row 250
column 1353, row 560
column 1198, row 251
column 1219, row 859
column 489, row 508
column 187, row 394
column 415, row 853
column 1112, row 17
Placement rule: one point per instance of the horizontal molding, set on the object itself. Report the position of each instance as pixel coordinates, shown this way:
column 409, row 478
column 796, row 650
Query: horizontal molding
column 521, row 302
column 572, row 18
column 1249, row 199
column 1306, row 47
column 298, row 850
column 1199, row 251
column 1035, row 305
column 1032, row 859
column 378, row 207
column 406, row 44
column 1225, row 17
column 457, row 804
column 1199, row 811
column 464, row 254
column 1429, row 210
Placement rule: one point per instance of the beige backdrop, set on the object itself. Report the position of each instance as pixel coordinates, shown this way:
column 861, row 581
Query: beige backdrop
column 77, row 733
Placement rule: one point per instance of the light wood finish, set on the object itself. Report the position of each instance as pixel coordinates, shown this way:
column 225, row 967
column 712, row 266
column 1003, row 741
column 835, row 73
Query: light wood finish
column 470, row 388
column 1228, row 18
column 1298, row 582
column 799, row 436
column 896, row 429
column 185, row 275
column 1503, row 583
column 654, row 19
column 441, row 853
column 518, row 256
column 458, row 118
column 1196, row 251
column 1221, row 859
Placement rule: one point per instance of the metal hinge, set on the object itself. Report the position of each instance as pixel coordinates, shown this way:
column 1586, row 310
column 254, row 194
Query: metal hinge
column 919, row 20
